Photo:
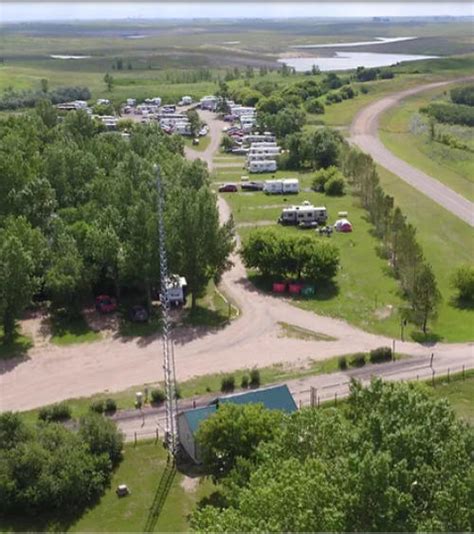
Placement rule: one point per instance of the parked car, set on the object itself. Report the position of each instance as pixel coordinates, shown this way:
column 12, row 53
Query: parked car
column 252, row 186
column 139, row 314
column 228, row 188
column 105, row 304
column 195, row 141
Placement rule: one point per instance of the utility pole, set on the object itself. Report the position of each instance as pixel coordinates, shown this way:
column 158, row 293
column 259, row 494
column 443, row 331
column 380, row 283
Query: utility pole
column 171, row 405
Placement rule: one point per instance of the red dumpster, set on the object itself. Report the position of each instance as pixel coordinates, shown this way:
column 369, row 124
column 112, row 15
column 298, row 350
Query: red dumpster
column 279, row 287
column 295, row 288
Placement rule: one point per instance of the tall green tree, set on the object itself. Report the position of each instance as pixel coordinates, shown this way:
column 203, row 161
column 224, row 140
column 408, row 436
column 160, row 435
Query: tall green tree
column 22, row 254
column 425, row 298
column 198, row 245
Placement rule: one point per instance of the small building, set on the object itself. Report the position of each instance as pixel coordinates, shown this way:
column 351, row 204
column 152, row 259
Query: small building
column 273, row 398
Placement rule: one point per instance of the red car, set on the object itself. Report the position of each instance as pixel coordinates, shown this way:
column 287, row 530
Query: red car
column 228, row 188
column 105, row 304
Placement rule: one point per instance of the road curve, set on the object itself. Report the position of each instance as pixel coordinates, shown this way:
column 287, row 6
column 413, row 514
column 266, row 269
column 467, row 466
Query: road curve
column 364, row 134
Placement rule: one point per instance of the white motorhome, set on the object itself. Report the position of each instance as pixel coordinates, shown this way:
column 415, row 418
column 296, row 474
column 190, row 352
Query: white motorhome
column 267, row 165
column 285, row 186
column 304, row 213
column 131, row 102
column 256, row 156
column 242, row 111
column 183, row 128
column 176, row 289
column 262, row 144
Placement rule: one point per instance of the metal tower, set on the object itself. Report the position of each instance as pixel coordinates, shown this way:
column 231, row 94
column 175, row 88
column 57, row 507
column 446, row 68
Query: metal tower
column 171, row 406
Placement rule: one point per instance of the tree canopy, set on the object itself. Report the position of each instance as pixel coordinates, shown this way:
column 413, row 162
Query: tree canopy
column 392, row 460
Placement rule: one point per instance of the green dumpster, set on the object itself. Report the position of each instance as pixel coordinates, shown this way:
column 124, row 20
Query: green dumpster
column 308, row 291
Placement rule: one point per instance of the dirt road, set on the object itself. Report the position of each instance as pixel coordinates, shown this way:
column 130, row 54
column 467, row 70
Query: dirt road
column 50, row 373
column 364, row 133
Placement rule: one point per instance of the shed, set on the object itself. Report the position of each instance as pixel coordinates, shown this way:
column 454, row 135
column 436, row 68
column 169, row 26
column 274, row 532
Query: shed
column 273, row 398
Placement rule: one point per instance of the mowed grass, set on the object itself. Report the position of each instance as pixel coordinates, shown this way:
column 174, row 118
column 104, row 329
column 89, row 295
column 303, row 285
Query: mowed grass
column 141, row 470
column 66, row 331
column 203, row 143
column 451, row 166
column 364, row 293
column 460, row 394
column 447, row 243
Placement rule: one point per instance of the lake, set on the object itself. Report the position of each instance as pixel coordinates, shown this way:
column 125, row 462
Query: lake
column 378, row 41
column 350, row 60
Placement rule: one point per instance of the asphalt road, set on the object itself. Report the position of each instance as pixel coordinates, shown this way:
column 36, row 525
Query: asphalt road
column 364, row 134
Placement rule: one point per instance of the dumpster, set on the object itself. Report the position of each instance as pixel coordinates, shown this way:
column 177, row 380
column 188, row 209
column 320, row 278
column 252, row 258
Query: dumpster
column 308, row 291
column 295, row 288
column 279, row 287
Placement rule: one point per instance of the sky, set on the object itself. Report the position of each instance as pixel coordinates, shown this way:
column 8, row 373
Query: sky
column 68, row 11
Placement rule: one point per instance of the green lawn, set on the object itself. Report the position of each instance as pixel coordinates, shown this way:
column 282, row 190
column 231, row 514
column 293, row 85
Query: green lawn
column 460, row 394
column 141, row 470
column 203, row 143
column 453, row 167
column 447, row 242
column 65, row 331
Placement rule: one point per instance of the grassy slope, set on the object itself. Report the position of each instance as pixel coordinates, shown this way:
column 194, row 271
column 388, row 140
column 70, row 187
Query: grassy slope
column 451, row 166
column 460, row 394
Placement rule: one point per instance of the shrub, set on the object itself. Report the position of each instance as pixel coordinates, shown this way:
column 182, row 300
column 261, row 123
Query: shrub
column 364, row 89
column 56, row 412
column 110, row 406
column 244, row 383
column 157, row 396
column 381, row 354
column 342, row 363
column 313, row 105
column 333, row 98
column 228, row 383
column 358, row 360
column 178, row 391
column 254, row 378
column 386, row 74
column 347, row 92
column 335, row 186
column 97, row 406
column 463, row 281
column 323, row 176
column 450, row 113
column 463, row 95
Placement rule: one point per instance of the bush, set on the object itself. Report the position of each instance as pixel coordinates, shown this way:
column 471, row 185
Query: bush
column 347, row 92
column 97, row 406
column 386, row 74
column 463, row 281
column 313, row 105
column 450, row 113
column 56, row 412
column 342, row 363
column 335, row 186
column 333, row 98
column 463, row 95
column 254, row 378
column 244, row 383
column 110, row 406
column 228, row 384
column 324, row 176
column 358, row 360
column 157, row 396
column 12, row 99
column 380, row 355
column 364, row 89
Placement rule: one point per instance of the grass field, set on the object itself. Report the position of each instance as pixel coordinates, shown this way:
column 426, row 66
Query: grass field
column 400, row 133
column 459, row 393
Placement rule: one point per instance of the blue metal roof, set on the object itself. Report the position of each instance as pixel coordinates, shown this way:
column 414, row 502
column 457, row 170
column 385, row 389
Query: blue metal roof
column 273, row 398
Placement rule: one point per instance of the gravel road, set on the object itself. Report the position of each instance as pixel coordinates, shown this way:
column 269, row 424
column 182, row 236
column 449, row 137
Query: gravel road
column 364, row 134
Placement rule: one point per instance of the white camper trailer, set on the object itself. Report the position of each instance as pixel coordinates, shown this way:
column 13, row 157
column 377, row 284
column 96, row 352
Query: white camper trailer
column 209, row 102
column 186, row 100
column 265, row 137
column 285, row 186
column 269, row 150
column 306, row 213
column 176, row 289
column 262, row 144
column 267, row 165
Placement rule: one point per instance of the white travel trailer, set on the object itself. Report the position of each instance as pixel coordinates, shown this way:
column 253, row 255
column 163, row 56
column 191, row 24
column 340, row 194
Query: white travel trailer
column 285, row 186
column 257, row 137
column 267, row 165
column 186, row 100
column 131, row 102
column 272, row 150
column 256, row 156
column 209, row 102
column 182, row 128
column 155, row 101
column 176, row 289
column 306, row 213
column 263, row 144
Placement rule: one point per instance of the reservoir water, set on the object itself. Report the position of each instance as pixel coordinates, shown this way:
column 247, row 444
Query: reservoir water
column 350, row 60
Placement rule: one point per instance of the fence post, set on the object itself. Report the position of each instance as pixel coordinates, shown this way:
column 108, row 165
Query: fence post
column 448, row 374
column 135, row 440
column 433, row 377
column 157, row 436
column 417, row 378
column 463, row 373
column 319, row 401
column 300, row 404
column 335, row 399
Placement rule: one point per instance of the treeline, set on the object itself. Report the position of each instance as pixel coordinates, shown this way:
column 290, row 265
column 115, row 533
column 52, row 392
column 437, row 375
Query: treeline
column 49, row 469
column 277, row 255
column 450, row 113
column 399, row 242
column 463, row 95
column 78, row 214
column 363, row 74
column 12, row 99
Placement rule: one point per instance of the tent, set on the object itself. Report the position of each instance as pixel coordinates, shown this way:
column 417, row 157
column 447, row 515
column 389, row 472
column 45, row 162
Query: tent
column 343, row 225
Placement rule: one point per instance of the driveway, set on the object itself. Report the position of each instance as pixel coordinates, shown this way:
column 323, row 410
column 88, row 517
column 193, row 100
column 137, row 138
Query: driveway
column 364, row 134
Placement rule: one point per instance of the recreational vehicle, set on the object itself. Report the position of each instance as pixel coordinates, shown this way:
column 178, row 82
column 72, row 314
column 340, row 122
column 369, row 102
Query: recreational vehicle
column 268, row 165
column 265, row 137
column 285, row 186
column 303, row 214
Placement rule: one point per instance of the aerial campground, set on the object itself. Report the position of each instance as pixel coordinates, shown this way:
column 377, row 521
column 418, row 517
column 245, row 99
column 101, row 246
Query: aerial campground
column 236, row 267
